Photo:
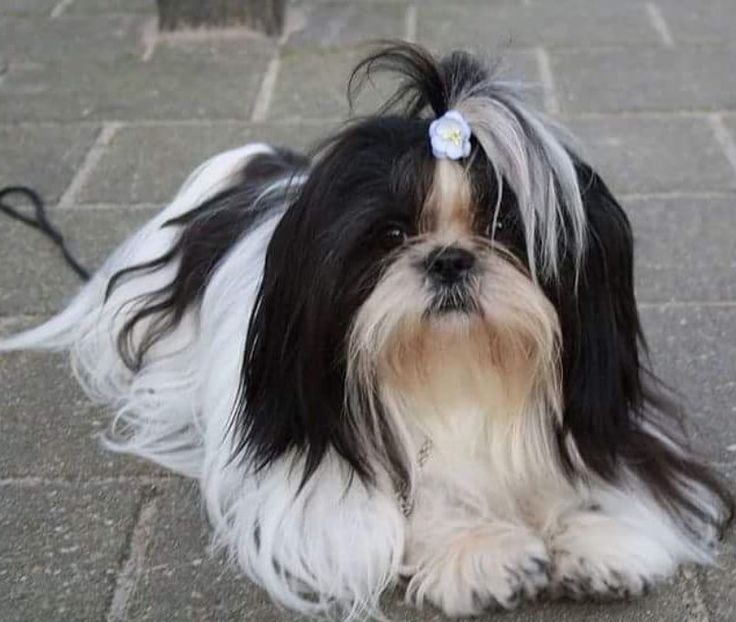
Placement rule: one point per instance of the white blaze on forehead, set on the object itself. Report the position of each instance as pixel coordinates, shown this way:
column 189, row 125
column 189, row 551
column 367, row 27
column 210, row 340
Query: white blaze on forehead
column 448, row 209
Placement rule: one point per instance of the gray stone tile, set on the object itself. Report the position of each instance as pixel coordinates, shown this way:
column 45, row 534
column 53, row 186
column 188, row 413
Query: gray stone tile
column 314, row 84
column 71, row 39
column 47, row 426
column 60, row 549
column 192, row 80
column 705, row 21
column 654, row 154
column 576, row 23
column 684, row 248
column 147, row 164
column 694, row 350
column 640, row 78
column 44, row 157
column 183, row 79
column 34, row 279
column 26, row 7
column 181, row 579
column 332, row 24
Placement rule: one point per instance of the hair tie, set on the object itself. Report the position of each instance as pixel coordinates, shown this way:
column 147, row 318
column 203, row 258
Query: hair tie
column 450, row 136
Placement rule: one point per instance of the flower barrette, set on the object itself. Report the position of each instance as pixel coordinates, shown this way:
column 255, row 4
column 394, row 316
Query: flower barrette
column 450, row 136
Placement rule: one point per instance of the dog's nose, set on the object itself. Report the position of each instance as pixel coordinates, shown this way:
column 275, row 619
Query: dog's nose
column 449, row 264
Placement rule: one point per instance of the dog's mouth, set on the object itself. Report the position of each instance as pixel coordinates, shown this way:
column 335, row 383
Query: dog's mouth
column 452, row 300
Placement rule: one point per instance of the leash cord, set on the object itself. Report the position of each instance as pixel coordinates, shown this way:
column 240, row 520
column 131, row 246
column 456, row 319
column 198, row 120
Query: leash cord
column 40, row 222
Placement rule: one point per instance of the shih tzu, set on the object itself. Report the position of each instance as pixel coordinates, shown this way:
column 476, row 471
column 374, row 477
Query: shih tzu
column 413, row 356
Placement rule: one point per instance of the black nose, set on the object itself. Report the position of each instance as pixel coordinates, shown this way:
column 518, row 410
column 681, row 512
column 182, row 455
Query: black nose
column 450, row 264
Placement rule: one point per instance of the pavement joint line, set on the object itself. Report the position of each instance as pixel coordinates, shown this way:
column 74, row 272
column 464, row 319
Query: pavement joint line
column 135, row 560
column 410, row 24
column 89, row 164
column 266, row 90
column 149, row 38
column 658, row 22
column 724, row 138
column 295, row 21
column 551, row 103
column 60, row 8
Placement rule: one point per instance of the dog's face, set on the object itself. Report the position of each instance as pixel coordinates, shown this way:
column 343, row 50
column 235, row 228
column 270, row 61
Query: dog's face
column 448, row 272
column 392, row 267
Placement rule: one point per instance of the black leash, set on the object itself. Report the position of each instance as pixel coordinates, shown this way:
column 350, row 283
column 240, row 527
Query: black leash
column 40, row 222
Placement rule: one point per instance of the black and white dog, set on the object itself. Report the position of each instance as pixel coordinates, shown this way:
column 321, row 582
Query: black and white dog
column 416, row 354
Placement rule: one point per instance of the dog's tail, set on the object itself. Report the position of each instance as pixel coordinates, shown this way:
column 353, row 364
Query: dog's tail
column 61, row 331
column 155, row 403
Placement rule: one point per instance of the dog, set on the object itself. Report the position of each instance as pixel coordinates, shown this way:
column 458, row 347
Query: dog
column 413, row 356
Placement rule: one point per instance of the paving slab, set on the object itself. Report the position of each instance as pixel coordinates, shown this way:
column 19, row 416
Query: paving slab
column 550, row 24
column 180, row 578
column 680, row 239
column 330, row 24
column 34, row 279
column 61, row 548
column 706, row 21
column 26, row 7
column 147, row 164
column 183, row 79
column 48, row 428
column 44, row 157
column 324, row 94
column 694, row 350
column 684, row 78
column 649, row 154
column 39, row 40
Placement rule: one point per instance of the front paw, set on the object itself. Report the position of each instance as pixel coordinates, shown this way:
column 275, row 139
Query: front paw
column 495, row 566
column 578, row 576
column 597, row 556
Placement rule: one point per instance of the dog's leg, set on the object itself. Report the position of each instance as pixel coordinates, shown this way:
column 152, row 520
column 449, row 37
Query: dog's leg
column 463, row 560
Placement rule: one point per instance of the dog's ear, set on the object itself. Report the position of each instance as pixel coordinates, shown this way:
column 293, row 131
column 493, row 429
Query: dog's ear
column 601, row 333
column 617, row 414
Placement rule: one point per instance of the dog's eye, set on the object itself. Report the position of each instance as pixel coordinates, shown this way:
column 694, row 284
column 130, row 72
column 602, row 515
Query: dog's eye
column 393, row 235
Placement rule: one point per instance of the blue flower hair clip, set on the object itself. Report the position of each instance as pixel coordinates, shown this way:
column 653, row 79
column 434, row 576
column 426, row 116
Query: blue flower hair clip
column 450, row 136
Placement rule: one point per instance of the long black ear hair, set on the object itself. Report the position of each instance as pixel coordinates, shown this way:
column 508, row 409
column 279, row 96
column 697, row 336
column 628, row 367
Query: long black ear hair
column 619, row 415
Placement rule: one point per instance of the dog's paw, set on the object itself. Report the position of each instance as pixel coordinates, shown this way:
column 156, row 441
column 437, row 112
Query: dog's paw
column 597, row 556
column 577, row 576
column 488, row 567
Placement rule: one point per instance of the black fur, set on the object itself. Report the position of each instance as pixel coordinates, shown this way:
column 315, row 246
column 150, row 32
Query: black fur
column 609, row 390
column 323, row 261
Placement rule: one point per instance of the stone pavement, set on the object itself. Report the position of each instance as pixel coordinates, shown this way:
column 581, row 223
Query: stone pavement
column 106, row 118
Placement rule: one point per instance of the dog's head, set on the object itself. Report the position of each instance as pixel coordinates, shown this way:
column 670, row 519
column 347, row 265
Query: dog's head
column 391, row 265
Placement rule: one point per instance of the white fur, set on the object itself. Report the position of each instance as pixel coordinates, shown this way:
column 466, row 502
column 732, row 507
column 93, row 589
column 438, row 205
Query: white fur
column 494, row 520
